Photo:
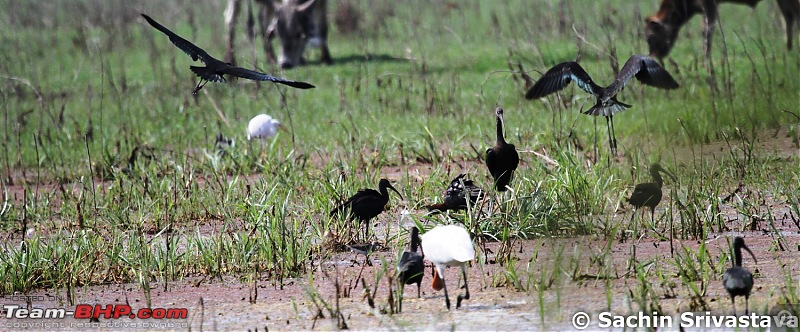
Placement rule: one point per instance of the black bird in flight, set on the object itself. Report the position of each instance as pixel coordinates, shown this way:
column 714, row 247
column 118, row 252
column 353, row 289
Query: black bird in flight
column 215, row 69
column 645, row 69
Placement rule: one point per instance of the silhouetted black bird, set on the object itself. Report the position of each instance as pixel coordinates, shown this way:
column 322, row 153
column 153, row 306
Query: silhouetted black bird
column 649, row 194
column 215, row 69
column 410, row 268
column 644, row 68
column 737, row 280
column 501, row 159
column 456, row 195
column 366, row 204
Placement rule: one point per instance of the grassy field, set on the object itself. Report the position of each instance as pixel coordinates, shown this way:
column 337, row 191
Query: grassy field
column 411, row 97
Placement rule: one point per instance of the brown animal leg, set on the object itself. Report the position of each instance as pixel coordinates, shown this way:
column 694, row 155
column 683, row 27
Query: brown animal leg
column 709, row 24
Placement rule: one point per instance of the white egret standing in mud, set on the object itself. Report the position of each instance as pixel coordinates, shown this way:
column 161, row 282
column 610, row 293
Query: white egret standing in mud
column 448, row 246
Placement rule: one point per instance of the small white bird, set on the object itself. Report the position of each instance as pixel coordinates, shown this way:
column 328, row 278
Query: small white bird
column 448, row 246
column 262, row 126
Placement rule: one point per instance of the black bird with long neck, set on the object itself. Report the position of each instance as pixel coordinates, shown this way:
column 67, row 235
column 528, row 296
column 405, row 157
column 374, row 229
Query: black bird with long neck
column 644, row 68
column 215, row 69
column 410, row 268
column 737, row 280
column 502, row 159
column 457, row 194
column 649, row 194
column 366, row 204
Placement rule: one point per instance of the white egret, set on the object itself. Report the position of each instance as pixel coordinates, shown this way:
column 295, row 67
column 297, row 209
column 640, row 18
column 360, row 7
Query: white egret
column 262, row 126
column 448, row 246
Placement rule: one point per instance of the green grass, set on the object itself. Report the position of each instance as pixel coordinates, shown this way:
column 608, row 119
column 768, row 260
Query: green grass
column 415, row 89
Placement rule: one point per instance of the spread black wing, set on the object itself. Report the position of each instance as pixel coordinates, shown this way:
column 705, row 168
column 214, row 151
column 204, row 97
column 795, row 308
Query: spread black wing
column 186, row 46
column 559, row 77
column 646, row 70
column 258, row 76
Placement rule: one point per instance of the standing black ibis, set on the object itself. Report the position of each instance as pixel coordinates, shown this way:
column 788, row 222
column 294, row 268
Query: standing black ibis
column 644, row 68
column 455, row 197
column 448, row 246
column 502, row 159
column 215, row 69
column 649, row 194
column 366, row 204
column 737, row 280
column 410, row 268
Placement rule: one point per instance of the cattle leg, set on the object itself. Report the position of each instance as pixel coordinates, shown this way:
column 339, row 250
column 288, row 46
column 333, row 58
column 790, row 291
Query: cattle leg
column 231, row 15
column 710, row 18
column 321, row 21
column 266, row 13
column 791, row 13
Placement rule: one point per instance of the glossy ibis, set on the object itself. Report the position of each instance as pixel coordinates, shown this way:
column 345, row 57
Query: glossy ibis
column 645, row 69
column 649, row 194
column 263, row 126
column 364, row 249
column 448, row 246
column 501, row 159
column 460, row 190
column 737, row 280
column 410, row 268
column 215, row 69
column 366, row 204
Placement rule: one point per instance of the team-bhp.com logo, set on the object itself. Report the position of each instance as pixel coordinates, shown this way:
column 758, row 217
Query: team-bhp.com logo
column 86, row 311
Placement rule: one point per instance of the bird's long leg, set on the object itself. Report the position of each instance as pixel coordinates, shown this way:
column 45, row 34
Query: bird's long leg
column 612, row 137
column 733, row 303
column 466, row 286
column 446, row 297
column 746, row 305
column 200, row 84
column 366, row 230
column 359, row 273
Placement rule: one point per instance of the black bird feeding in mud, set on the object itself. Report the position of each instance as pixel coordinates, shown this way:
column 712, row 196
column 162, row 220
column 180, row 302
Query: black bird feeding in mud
column 215, row 69
column 644, row 68
column 737, row 280
column 649, row 194
column 458, row 192
column 502, row 159
column 366, row 204
column 410, row 268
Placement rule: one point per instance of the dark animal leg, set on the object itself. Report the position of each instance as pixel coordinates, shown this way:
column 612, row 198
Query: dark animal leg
column 419, row 285
column 200, row 85
column 746, row 305
column 612, row 136
column 733, row 303
column 466, row 286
